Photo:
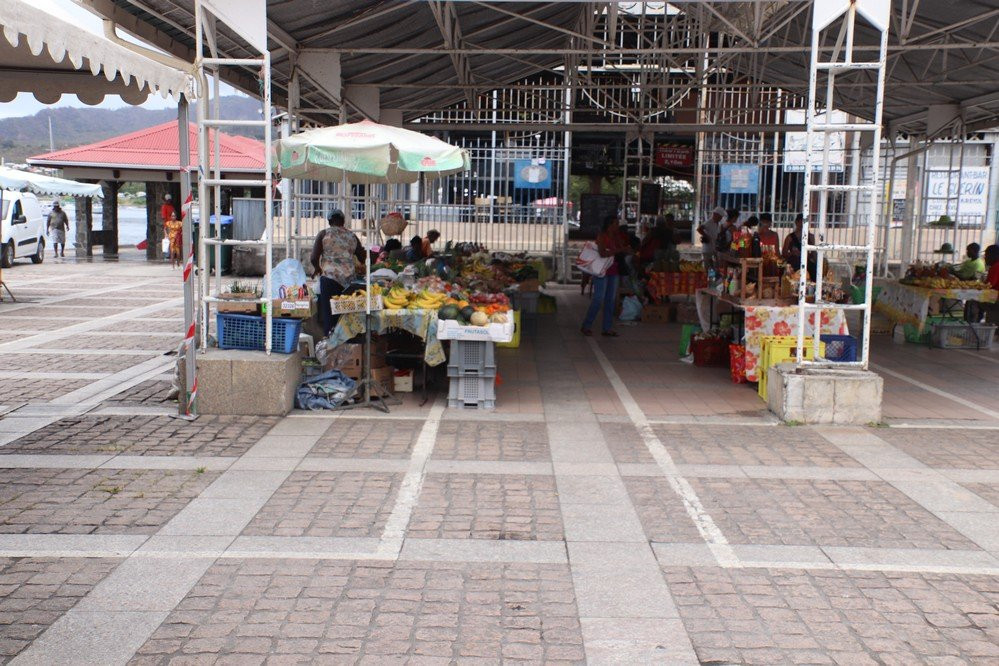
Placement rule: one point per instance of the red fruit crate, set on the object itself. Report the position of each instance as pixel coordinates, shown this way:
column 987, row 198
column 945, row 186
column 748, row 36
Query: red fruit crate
column 710, row 352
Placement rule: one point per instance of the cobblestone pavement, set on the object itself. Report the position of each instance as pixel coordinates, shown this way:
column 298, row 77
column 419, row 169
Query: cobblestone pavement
column 104, row 501
column 328, row 504
column 145, row 435
column 618, row 507
column 37, row 591
column 487, row 506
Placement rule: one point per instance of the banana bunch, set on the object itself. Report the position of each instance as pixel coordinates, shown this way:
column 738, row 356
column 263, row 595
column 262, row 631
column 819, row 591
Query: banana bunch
column 428, row 300
column 397, row 298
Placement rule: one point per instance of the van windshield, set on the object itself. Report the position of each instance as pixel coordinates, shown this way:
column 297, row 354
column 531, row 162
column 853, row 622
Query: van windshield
column 4, row 205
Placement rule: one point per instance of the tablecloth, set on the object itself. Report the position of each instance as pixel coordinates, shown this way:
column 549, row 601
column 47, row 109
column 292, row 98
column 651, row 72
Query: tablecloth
column 763, row 320
column 906, row 304
column 421, row 323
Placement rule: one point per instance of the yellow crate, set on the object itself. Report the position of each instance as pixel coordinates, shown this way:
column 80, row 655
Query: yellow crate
column 778, row 349
column 515, row 342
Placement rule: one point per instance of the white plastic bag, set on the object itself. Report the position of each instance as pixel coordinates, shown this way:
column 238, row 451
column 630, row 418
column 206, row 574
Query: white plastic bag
column 590, row 261
column 289, row 274
column 631, row 309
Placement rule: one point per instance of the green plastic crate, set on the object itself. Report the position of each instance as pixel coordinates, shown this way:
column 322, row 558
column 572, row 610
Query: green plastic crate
column 913, row 335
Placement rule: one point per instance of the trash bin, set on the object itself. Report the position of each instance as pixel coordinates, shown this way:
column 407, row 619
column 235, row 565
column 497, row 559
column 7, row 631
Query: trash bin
column 227, row 229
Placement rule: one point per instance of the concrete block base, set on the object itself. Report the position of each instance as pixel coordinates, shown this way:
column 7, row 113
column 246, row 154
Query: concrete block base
column 824, row 395
column 248, row 383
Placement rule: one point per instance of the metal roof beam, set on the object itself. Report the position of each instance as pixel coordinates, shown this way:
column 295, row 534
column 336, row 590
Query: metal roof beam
column 446, row 17
column 557, row 28
column 672, row 128
column 381, row 10
column 561, row 51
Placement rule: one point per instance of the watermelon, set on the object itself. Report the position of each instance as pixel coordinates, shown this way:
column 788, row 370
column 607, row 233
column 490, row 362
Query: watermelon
column 448, row 312
column 467, row 312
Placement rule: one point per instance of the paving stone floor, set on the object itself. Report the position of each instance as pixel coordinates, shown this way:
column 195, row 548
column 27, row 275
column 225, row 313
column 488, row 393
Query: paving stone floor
column 618, row 507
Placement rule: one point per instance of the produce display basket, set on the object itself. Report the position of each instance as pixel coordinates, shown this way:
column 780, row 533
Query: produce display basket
column 355, row 304
column 962, row 335
column 237, row 331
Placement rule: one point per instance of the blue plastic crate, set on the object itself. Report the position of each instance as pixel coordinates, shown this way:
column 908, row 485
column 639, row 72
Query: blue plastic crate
column 840, row 348
column 236, row 331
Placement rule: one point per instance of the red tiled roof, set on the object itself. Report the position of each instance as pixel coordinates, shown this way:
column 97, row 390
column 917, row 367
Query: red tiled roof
column 156, row 148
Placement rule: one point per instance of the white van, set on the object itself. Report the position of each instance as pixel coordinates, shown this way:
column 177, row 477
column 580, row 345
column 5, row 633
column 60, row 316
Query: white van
column 22, row 228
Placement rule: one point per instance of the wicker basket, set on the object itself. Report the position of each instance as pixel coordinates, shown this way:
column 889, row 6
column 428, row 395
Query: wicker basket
column 393, row 224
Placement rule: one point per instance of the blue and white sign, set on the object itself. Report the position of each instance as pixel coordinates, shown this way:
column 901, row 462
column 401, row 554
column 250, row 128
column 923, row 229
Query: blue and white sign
column 533, row 174
column 740, row 179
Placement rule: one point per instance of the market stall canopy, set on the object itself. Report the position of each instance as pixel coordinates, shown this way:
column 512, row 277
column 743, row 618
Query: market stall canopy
column 49, row 57
column 367, row 152
column 12, row 179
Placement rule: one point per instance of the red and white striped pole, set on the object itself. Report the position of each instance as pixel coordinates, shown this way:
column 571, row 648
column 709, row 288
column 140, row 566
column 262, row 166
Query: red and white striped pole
column 189, row 405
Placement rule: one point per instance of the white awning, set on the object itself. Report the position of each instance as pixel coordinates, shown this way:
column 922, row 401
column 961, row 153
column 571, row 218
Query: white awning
column 12, row 179
column 49, row 57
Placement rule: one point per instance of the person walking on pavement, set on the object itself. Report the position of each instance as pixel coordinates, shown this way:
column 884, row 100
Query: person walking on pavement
column 333, row 256
column 58, row 225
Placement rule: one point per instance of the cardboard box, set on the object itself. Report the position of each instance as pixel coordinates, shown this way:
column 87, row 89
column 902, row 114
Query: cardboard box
column 348, row 359
column 294, row 308
column 239, row 304
column 402, row 383
column 658, row 314
column 383, row 375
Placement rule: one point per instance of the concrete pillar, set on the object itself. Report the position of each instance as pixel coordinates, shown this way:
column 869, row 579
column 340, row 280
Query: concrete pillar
column 109, row 218
column 154, row 225
column 84, row 223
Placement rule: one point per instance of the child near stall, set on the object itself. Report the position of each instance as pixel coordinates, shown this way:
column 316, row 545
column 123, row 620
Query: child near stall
column 175, row 230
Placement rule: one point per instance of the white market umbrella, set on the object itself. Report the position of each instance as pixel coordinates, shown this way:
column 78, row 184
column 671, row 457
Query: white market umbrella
column 367, row 152
column 13, row 179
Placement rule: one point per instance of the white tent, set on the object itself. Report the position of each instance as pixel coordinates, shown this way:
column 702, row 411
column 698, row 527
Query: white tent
column 47, row 56
column 12, row 179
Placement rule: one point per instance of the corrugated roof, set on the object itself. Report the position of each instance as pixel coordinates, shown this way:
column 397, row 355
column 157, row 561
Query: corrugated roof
column 156, row 148
column 945, row 54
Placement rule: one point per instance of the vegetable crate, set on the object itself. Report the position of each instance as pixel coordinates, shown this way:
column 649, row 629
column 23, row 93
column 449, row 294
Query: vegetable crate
column 913, row 335
column 840, row 348
column 963, row 335
column 472, row 393
column 472, row 358
column 236, row 331
column 779, row 349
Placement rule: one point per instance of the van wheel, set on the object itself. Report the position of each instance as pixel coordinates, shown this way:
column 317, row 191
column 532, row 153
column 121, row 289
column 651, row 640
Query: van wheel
column 39, row 255
column 7, row 256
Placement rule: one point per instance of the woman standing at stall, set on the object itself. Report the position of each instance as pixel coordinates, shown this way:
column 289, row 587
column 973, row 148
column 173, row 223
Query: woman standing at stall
column 609, row 244
column 333, row 256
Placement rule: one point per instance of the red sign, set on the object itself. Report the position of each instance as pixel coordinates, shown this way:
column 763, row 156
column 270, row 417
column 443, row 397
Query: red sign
column 674, row 156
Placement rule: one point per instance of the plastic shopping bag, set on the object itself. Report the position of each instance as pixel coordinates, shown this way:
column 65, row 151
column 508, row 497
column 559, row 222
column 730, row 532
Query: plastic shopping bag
column 590, row 261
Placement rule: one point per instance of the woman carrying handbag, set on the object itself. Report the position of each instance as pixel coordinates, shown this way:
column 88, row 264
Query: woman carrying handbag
column 599, row 263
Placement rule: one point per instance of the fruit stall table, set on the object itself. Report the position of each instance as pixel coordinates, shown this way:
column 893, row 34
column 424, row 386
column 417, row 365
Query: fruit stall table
column 421, row 323
column 758, row 321
column 909, row 304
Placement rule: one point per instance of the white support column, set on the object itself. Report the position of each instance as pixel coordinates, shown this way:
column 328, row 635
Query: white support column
column 249, row 19
column 824, row 14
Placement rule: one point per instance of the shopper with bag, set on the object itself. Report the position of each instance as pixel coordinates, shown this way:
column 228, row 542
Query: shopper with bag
column 599, row 263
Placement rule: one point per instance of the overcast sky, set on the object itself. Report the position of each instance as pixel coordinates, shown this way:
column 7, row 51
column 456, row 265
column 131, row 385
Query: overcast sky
column 26, row 104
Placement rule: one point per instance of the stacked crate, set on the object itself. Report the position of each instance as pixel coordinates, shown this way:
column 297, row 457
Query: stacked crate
column 471, row 372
